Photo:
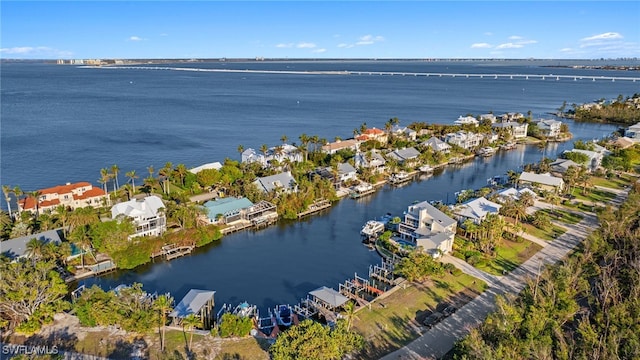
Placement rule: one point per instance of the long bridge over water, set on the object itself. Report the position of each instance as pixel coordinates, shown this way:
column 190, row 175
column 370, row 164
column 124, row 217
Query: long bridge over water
column 385, row 73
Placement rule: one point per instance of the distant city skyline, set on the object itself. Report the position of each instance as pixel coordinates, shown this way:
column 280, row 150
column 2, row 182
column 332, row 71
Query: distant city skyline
column 314, row 29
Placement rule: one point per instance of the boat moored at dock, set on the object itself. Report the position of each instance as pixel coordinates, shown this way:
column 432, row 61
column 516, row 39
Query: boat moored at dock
column 284, row 315
column 372, row 228
column 426, row 169
column 487, row 151
column 399, row 178
column 361, row 190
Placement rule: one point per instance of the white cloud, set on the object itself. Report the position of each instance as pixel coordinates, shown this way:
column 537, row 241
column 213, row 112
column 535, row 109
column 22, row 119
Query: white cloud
column 509, row 46
column 515, row 37
column 481, row 46
column 603, row 36
column 526, row 42
column 135, row 38
column 284, row 46
column 567, row 50
column 304, row 45
column 319, row 51
column 345, row 46
column 36, row 51
column 369, row 39
column 488, row 33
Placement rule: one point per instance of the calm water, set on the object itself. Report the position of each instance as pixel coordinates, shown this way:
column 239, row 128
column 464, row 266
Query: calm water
column 62, row 123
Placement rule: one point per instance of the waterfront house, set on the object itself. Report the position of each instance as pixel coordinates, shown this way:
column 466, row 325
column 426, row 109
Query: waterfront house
column 280, row 154
column 283, row 181
column 545, row 182
column 147, row 214
column 594, row 158
column 16, row 248
column 623, row 142
column 406, row 156
column 373, row 134
column 511, row 116
column 404, row 132
column 437, row 145
column 633, row 132
column 214, row 165
column 426, row 226
column 73, row 196
column 560, row 166
column 464, row 139
column 226, row 210
column 516, row 129
column 466, row 120
column 343, row 172
column 488, row 117
column 513, row 193
column 371, row 160
column 549, row 128
column 199, row 303
column 334, row 147
column 476, row 210
column 328, row 298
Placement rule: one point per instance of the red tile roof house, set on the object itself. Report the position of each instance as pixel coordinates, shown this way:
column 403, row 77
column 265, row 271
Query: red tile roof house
column 74, row 196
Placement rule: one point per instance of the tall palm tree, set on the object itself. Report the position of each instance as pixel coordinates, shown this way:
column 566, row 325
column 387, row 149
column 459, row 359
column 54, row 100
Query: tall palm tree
column 6, row 189
column 36, row 197
column 240, row 149
column 104, row 180
column 132, row 177
column 35, row 249
column 62, row 215
column 350, row 312
column 163, row 305
column 114, row 171
column 189, row 323
column 284, row 139
column 17, row 192
column 165, row 172
column 181, row 172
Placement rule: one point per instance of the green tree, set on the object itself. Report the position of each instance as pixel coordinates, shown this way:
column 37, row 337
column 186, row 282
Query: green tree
column 132, row 177
column 234, row 326
column 190, row 322
column 418, row 266
column 6, row 190
column 30, row 293
column 163, row 305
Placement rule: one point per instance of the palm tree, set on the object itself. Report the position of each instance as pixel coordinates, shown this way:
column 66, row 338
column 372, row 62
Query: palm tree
column 526, row 198
column 114, row 171
column 284, row 139
column 181, row 172
column 6, row 189
column 35, row 249
column 165, row 172
column 163, row 305
column 104, row 180
column 36, row 197
column 18, row 193
column 189, row 323
column 350, row 313
column 240, row 149
column 132, row 177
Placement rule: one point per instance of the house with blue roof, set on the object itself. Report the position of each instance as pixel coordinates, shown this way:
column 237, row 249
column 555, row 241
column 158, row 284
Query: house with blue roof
column 226, row 210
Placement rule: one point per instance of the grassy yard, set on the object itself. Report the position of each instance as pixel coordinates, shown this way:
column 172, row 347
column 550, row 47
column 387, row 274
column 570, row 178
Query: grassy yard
column 614, row 182
column 581, row 206
column 509, row 255
column 563, row 216
column 395, row 321
column 548, row 234
column 593, row 195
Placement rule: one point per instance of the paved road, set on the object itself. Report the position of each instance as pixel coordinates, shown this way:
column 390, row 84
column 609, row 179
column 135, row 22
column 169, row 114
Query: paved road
column 440, row 339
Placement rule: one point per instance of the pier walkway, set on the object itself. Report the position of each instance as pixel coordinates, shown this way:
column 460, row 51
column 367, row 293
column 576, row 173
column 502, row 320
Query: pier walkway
column 519, row 76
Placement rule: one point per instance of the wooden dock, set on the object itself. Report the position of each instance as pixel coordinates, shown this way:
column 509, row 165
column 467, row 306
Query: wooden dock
column 173, row 251
column 315, row 207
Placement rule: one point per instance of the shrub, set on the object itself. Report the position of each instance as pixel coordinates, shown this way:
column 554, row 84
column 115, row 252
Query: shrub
column 233, row 325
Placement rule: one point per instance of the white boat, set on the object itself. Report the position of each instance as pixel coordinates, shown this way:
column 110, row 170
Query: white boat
column 426, row 168
column 508, row 146
column 284, row 315
column 399, row 178
column 372, row 228
column 245, row 310
column 362, row 190
column 487, row 151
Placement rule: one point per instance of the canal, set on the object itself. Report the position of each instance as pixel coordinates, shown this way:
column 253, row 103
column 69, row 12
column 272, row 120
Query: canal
column 282, row 263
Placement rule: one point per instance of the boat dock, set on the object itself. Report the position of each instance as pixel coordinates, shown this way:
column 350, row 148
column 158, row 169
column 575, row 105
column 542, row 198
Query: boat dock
column 315, row 207
column 173, row 251
column 93, row 270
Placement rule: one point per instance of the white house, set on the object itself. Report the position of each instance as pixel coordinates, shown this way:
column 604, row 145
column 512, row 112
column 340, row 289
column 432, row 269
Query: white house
column 437, row 145
column 463, row 139
column 517, row 130
column 283, row 181
column 147, row 214
column 543, row 181
column 513, row 193
column 594, row 158
column 489, row 117
column 279, row 153
column 561, row 166
column 550, row 128
column 476, row 210
column 466, row 120
column 428, row 227
column 370, row 160
column 214, row 165
column 404, row 132
column 334, row 147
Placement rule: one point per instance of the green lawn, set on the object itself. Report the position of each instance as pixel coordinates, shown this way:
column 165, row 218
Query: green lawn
column 593, row 195
column 563, row 216
column 548, row 234
column 390, row 327
column 581, row 206
column 509, row 255
column 614, row 182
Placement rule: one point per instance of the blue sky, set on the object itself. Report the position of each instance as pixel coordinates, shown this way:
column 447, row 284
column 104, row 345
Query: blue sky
column 314, row 29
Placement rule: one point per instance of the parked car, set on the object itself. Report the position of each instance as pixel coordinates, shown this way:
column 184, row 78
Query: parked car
column 449, row 310
column 433, row 319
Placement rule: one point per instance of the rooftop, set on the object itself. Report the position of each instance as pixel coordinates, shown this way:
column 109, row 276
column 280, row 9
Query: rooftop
column 192, row 303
